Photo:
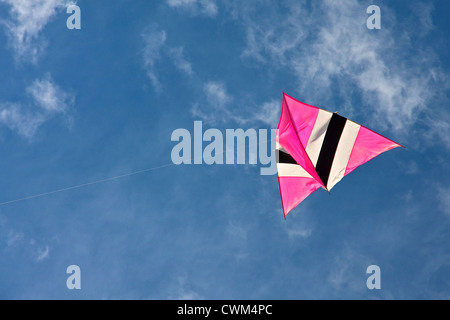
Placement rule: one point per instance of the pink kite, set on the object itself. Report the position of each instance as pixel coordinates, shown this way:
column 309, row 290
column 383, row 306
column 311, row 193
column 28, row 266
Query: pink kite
column 317, row 148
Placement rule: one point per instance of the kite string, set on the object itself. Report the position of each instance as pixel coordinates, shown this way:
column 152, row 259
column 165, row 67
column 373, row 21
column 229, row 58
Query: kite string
column 105, row 180
column 85, row 184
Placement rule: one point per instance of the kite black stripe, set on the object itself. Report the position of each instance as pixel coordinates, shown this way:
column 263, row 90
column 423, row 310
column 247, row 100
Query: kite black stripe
column 329, row 146
column 284, row 157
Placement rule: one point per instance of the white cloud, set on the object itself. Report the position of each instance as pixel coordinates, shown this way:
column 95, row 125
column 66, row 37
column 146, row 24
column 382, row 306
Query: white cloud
column 216, row 94
column 27, row 19
column 49, row 96
column 268, row 113
column 42, row 254
column 216, row 104
column 47, row 100
column 154, row 41
column 180, row 61
column 271, row 35
column 333, row 56
column 205, row 7
column 154, row 48
column 17, row 241
column 24, row 122
column 328, row 48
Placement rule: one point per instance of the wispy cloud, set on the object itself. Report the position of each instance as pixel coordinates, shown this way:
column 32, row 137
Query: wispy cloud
column 15, row 241
column 46, row 101
column 27, row 19
column 49, row 97
column 204, row 7
column 216, row 93
column 180, row 61
column 24, row 122
column 155, row 48
column 329, row 50
column 268, row 113
column 270, row 34
column 215, row 107
column 42, row 253
column 333, row 56
column 218, row 105
column 154, row 41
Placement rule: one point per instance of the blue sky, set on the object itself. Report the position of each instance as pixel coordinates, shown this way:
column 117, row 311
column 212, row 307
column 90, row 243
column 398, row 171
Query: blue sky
column 78, row 106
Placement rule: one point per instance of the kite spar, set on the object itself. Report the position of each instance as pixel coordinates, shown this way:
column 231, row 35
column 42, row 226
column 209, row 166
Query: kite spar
column 317, row 148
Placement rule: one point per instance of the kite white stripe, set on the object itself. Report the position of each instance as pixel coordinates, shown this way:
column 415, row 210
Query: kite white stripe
column 318, row 135
column 291, row 170
column 343, row 152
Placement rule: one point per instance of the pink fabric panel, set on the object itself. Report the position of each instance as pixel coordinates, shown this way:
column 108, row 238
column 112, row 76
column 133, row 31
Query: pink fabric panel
column 367, row 146
column 288, row 138
column 294, row 190
column 303, row 116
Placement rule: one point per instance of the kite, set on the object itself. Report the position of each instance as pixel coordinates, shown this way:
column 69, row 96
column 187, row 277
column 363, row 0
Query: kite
column 316, row 148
